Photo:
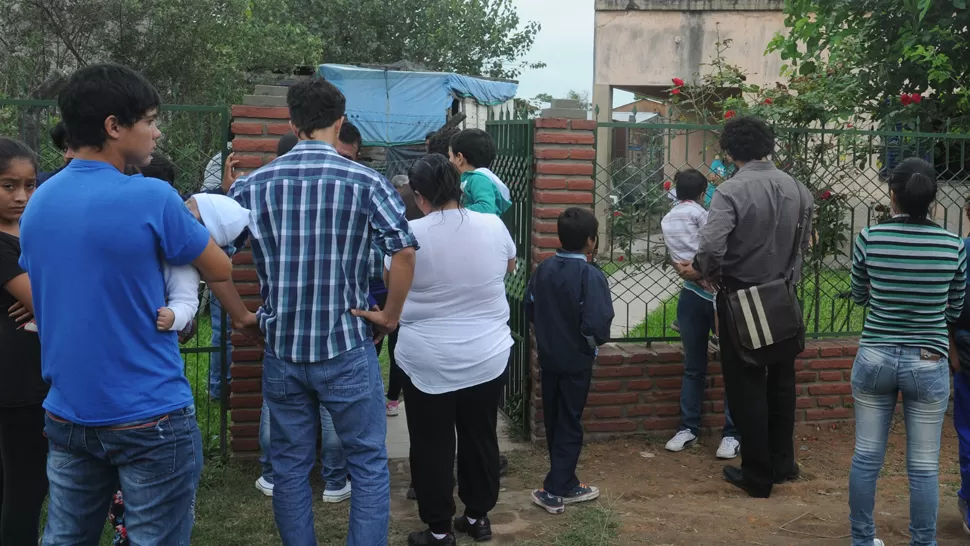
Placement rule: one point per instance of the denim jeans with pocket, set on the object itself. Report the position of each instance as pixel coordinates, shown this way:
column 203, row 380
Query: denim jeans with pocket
column 695, row 316
column 350, row 387
column 157, row 462
column 879, row 374
column 333, row 462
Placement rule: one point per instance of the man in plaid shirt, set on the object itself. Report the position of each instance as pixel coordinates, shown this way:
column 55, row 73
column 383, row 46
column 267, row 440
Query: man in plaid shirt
column 314, row 218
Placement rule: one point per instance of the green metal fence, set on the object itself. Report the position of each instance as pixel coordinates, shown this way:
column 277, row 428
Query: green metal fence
column 845, row 170
column 191, row 137
column 514, row 165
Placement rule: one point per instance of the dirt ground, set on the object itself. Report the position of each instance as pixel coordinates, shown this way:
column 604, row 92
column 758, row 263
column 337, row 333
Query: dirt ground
column 681, row 499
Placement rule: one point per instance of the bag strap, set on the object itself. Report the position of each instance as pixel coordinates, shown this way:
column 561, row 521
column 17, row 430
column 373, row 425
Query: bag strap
column 799, row 231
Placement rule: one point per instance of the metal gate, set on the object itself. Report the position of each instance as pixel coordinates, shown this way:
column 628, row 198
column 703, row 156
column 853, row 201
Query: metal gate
column 191, row 136
column 514, row 165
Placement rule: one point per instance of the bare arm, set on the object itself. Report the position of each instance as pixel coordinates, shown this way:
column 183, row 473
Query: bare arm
column 398, row 278
column 511, row 268
column 243, row 320
column 213, row 264
column 19, row 288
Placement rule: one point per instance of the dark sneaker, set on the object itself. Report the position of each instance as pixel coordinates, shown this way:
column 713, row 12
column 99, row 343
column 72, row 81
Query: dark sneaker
column 964, row 515
column 549, row 502
column 581, row 493
column 480, row 531
column 503, row 465
column 425, row 538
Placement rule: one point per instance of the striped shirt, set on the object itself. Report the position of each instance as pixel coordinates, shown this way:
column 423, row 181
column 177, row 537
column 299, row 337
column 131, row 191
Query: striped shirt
column 314, row 218
column 913, row 275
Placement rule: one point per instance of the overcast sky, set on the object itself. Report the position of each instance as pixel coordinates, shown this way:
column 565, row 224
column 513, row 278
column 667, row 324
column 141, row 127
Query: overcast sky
column 565, row 44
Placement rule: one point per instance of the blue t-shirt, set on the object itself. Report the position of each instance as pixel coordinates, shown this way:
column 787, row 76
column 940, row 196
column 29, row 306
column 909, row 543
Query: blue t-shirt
column 93, row 241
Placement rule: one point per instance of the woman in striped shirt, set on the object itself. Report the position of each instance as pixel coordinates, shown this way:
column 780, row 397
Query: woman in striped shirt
column 912, row 275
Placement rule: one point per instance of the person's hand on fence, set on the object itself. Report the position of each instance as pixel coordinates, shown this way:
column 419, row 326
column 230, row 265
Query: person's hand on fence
column 686, row 271
column 19, row 313
column 229, row 174
column 248, row 326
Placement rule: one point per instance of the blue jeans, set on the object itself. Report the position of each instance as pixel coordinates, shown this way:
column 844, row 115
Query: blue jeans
column 157, row 462
column 215, row 358
column 695, row 316
column 878, row 375
column 351, row 389
column 333, row 463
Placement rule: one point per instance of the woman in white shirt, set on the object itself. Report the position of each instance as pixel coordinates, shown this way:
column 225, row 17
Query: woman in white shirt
column 453, row 348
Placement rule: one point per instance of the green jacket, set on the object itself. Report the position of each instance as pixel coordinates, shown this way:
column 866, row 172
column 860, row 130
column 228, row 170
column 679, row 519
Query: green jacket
column 481, row 194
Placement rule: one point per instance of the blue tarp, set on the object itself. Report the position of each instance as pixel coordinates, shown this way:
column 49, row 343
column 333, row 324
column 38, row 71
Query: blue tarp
column 393, row 108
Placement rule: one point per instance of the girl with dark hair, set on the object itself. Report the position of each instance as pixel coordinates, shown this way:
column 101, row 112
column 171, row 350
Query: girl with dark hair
column 23, row 447
column 453, row 348
column 912, row 274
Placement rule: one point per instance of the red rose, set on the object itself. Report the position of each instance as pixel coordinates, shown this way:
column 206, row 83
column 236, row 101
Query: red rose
column 729, row 114
column 917, row 98
column 667, row 185
column 617, row 214
column 906, row 99
column 825, row 195
column 678, row 82
column 849, row 126
column 768, row 101
column 619, row 258
column 675, row 92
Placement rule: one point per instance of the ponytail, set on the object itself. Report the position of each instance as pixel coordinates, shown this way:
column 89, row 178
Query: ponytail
column 913, row 182
column 436, row 179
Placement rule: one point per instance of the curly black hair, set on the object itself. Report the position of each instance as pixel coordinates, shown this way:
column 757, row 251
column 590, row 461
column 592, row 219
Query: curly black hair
column 747, row 138
column 315, row 104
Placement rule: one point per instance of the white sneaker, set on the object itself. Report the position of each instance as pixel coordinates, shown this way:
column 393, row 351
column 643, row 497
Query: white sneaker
column 729, row 448
column 877, row 542
column 681, row 440
column 264, row 487
column 337, row 496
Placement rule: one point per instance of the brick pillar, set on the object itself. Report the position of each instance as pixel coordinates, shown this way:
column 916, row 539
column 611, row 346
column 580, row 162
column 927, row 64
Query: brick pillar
column 257, row 130
column 564, row 155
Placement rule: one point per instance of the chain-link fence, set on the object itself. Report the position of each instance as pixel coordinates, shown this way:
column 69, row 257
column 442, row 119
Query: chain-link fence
column 194, row 139
column 846, row 171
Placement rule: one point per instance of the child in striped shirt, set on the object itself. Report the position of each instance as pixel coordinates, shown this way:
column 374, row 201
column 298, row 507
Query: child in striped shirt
column 695, row 314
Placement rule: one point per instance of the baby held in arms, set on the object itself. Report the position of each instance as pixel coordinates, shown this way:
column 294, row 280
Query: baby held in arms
column 225, row 219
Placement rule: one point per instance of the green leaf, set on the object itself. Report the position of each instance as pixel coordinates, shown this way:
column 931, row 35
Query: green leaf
column 807, row 68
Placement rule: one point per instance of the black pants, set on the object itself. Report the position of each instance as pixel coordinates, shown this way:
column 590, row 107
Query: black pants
column 23, row 480
column 433, row 420
column 394, row 379
column 762, row 402
column 563, row 401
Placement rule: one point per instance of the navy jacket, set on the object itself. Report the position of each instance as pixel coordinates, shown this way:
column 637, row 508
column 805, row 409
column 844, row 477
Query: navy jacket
column 569, row 302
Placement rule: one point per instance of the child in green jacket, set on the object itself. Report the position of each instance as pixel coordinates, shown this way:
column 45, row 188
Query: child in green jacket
column 473, row 151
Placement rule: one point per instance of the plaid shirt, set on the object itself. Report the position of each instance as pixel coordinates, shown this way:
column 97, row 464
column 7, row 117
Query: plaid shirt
column 314, row 218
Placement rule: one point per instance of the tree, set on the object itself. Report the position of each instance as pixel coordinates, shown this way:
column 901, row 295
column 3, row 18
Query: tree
column 475, row 37
column 892, row 47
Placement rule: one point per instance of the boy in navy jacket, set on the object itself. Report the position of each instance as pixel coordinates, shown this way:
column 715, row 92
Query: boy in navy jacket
column 570, row 305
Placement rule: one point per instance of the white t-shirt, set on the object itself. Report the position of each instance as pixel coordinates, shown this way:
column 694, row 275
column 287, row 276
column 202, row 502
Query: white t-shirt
column 454, row 327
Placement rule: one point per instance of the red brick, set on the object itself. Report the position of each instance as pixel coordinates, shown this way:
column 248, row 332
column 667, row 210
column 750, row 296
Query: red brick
column 668, row 353
column 247, row 128
column 582, row 124
column 610, row 356
column 540, row 241
column 563, row 197
column 847, row 375
column 714, row 368
column 640, row 411
column 582, row 154
column 830, row 413
column 585, row 184
column 838, row 388
column 810, row 351
column 240, row 446
column 829, row 400
column 539, row 416
column 247, row 289
column 246, row 371
column 548, row 137
column 264, row 112
column 545, row 226
column 608, row 413
column 243, row 258
column 254, row 145
column 245, row 431
column 673, row 369
column 661, row 423
column 587, row 414
column 832, row 364
column 247, row 355
column 805, row 402
column 805, row 377
column 244, row 274
column 239, row 340
column 639, row 385
column 246, row 385
column 552, row 123
column 830, row 376
column 618, row 371
column 714, row 394
column 249, row 161
column 547, row 212
column 572, row 168
column 851, row 348
column 611, row 426
column 669, row 383
column 612, row 399
column 552, row 153
column 539, row 257
column 550, row 183
column 668, row 396
column 717, row 381
column 245, row 416
column 668, row 409
column 712, row 421
column 640, row 353
column 829, row 349
column 717, row 406
column 606, row 386
column 248, row 400
column 279, row 129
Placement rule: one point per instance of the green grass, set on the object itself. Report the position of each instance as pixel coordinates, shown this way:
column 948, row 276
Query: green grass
column 834, row 315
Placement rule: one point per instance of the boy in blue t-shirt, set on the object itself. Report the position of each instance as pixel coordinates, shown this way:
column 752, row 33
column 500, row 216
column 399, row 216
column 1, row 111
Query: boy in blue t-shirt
column 571, row 307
